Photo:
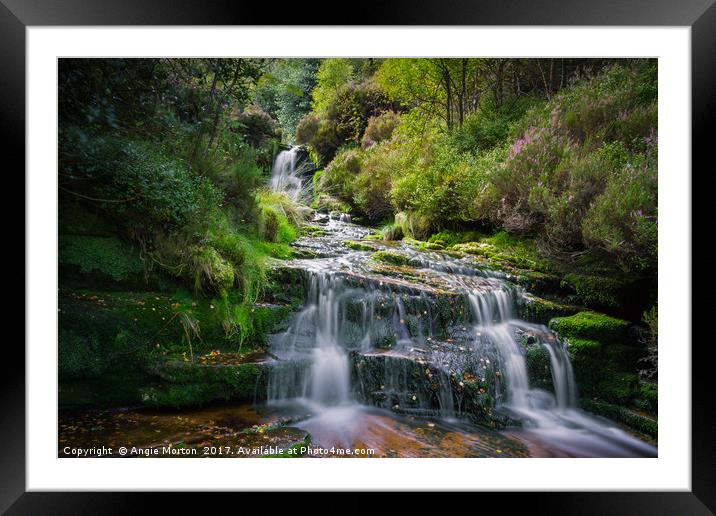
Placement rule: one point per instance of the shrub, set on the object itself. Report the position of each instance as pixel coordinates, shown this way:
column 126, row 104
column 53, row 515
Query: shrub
column 379, row 128
column 339, row 176
column 487, row 127
column 136, row 183
column 623, row 220
column 255, row 125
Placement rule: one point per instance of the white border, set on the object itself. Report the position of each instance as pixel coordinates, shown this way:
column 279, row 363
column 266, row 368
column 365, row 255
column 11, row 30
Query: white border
column 670, row 471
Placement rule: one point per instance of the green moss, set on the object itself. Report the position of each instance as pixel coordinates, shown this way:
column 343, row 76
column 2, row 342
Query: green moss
column 624, row 357
column 448, row 238
column 107, row 255
column 357, row 246
column 618, row 387
column 188, row 384
column 597, row 291
column 539, row 367
column 648, row 397
column 623, row 415
column 284, row 285
column 510, row 250
column 390, row 257
column 591, row 325
column 537, row 309
column 581, row 347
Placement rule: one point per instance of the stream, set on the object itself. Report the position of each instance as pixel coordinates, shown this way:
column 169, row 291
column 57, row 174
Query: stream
column 418, row 354
column 365, row 325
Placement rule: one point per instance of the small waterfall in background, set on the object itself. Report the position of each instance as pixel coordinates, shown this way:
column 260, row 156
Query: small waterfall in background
column 285, row 175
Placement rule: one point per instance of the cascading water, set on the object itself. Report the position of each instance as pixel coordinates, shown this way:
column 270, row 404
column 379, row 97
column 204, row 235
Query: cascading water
column 366, row 337
column 285, row 176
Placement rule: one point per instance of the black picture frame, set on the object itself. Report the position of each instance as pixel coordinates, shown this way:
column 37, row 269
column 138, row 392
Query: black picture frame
column 700, row 15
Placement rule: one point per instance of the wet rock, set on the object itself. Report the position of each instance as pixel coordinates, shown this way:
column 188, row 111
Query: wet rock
column 414, row 382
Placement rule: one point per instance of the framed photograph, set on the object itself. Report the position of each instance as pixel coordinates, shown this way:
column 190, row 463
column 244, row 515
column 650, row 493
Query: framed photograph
column 443, row 247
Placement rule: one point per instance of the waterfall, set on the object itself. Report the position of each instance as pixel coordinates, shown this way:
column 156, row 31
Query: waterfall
column 316, row 367
column 364, row 338
column 492, row 313
column 285, row 175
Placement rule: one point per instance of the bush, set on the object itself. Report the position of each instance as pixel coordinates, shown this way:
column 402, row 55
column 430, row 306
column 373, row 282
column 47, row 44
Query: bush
column 136, row 183
column 380, row 128
column 255, row 126
column 339, row 176
column 486, row 127
column 623, row 220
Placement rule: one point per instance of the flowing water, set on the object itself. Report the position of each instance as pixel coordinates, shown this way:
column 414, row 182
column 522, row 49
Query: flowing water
column 406, row 339
column 286, row 173
column 420, row 354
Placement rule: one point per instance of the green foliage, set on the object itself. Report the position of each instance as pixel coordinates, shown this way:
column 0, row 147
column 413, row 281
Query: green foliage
column 285, row 92
column 650, row 363
column 108, row 255
column 342, row 110
column 280, row 217
column 623, row 220
column 332, row 74
column 487, row 127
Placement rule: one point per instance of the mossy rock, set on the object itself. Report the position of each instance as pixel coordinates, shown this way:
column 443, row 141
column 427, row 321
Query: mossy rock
column 539, row 367
column 284, row 285
column 391, row 258
column 591, row 325
column 108, row 330
column 618, row 387
column 105, row 391
column 540, row 310
column 539, row 282
column 476, row 248
column 626, row 416
column 357, row 246
column 312, row 230
column 596, row 291
column 583, row 347
column 624, row 357
column 185, row 384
